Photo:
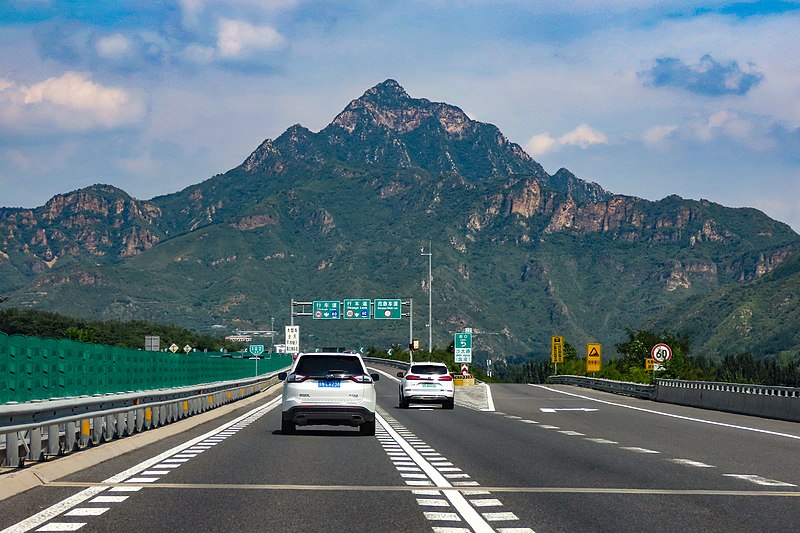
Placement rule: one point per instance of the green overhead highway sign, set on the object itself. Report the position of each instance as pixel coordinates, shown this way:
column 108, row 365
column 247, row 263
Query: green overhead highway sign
column 356, row 309
column 388, row 309
column 325, row 309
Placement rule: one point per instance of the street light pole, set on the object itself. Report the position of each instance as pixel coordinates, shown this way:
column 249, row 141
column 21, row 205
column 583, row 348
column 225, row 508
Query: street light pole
column 430, row 295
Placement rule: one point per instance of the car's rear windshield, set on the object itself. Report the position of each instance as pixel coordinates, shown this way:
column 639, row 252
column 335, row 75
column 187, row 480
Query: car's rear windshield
column 322, row 365
column 428, row 369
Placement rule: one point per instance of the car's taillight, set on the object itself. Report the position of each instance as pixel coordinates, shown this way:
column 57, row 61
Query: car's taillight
column 296, row 378
column 447, row 377
column 412, row 377
column 363, row 378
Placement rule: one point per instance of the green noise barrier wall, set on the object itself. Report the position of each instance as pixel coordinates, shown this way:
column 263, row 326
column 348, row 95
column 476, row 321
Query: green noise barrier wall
column 38, row 369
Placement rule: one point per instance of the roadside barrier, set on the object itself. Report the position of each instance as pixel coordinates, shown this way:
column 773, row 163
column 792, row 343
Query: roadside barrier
column 782, row 403
column 39, row 369
column 39, row 430
column 58, row 396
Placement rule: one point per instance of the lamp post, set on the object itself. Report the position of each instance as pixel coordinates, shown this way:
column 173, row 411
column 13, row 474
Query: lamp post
column 430, row 295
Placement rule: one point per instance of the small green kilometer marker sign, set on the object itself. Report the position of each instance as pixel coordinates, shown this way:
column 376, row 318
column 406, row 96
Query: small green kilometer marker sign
column 388, row 309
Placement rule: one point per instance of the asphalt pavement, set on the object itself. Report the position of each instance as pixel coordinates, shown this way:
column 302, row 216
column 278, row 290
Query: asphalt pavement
column 510, row 457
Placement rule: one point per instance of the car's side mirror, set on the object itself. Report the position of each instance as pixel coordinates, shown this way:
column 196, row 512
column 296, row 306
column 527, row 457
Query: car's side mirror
column 282, row 376
column 375, row 377
column 400, row 374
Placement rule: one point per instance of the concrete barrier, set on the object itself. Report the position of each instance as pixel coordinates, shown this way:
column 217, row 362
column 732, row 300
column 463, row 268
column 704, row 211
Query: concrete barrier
column 782, row 403
column 460, row 380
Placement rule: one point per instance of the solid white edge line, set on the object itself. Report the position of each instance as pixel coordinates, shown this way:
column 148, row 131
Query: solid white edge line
column 489, row 399
column 470, row 515
column 68, row 503
column 680, row 417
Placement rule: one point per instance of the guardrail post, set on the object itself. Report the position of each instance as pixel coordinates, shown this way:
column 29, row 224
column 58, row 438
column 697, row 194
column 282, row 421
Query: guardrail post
column 70, row 442
column 86, row 429
column 53, row 445
column 35, row 448
column 97, row 430
column 109, row 431
column 130, row 422
column 12, row 449
column 122, row 419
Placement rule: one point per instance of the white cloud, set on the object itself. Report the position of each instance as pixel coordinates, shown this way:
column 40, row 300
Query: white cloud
column 70, row 102
column 657, row 136
column 237, row 38
column 582, row 136
column 114, row 46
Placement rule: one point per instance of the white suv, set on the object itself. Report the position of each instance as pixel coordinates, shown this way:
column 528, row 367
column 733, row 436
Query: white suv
column 426, row 382
column 332, row 389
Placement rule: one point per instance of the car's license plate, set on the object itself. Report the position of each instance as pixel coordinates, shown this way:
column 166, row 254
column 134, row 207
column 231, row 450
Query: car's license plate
column 429, row 385
column 333, row 383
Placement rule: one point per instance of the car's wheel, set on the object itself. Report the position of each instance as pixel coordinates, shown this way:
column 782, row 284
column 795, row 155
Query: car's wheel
column 448, row 404
column 287, row 427
column 367, row 429
column 403, row 402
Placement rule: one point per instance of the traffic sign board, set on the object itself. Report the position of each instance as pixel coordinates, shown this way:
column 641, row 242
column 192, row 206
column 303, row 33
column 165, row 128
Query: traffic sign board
column 557, row 350
column 462, row 344
column 390, row 309
column 661, row 353
column 593, row 354
column 187, row 349
column 174, row 348
column 256, row 349
column 357, row 309
column 325, row 309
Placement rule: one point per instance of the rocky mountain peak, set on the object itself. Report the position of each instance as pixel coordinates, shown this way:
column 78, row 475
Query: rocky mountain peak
column 388, row 105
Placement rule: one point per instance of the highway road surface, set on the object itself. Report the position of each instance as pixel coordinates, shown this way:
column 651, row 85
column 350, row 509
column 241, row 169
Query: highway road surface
column 527, row 458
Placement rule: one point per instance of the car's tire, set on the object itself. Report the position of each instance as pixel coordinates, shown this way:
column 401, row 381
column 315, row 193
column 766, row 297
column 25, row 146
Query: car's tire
column 367, row 429
column 448, row 404
column 403, row 402
column 287, row 427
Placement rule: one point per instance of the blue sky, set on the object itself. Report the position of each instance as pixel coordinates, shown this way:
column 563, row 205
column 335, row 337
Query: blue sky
column 647, row 98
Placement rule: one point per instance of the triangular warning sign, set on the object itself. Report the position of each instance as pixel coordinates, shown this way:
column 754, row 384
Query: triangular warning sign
column 594, row 352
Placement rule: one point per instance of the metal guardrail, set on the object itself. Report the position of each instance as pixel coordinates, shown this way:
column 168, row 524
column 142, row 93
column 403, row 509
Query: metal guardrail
column 740, row 388
column 38, row 430
column 391, row 362
column 626, row 388
column 782, row 403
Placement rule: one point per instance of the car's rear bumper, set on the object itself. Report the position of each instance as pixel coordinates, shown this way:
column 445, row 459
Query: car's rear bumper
column 334, row 415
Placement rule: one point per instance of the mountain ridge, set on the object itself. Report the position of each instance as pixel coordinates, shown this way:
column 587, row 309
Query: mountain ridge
column 521, row 254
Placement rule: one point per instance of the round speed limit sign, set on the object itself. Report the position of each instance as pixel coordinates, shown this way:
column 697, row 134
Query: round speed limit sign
column 661, row 353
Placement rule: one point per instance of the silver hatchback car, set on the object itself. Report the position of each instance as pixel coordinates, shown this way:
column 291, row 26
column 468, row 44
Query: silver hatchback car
column 427, row 382
column 332, row 389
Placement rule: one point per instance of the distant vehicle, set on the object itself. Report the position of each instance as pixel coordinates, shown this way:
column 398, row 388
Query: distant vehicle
column 427, row 383
column 332, row 389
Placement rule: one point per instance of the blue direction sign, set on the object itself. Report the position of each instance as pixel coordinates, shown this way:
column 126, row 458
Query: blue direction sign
column 388, row 308
column 325, row 309
column 356, row 309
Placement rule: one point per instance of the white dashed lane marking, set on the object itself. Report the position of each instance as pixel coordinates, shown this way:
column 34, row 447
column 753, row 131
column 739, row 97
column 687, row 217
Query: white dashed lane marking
column 434, row 470
column 758, row 480
column 145, row 473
